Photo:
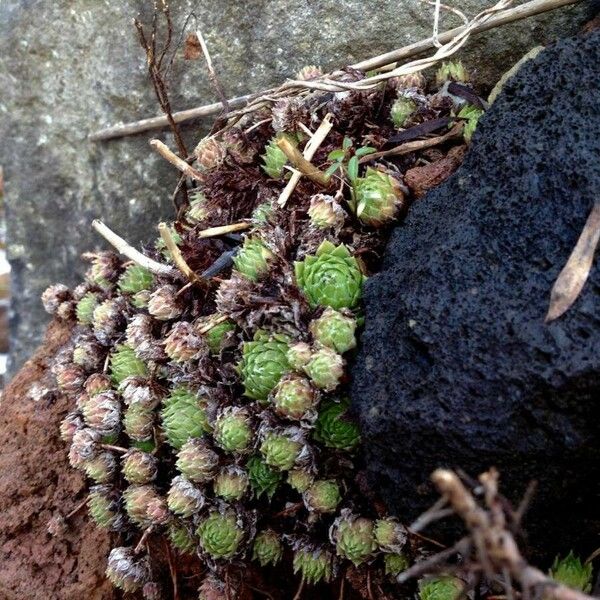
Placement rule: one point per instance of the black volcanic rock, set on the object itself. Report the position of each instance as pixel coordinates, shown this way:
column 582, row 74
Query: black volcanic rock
column 457, row 367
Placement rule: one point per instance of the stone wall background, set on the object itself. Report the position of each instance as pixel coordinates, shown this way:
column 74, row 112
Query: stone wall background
column 69, row 67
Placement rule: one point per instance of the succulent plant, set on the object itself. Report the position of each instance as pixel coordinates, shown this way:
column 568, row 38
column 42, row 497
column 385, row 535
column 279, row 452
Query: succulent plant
column 274, row 159
column 197, row 460
column 378, row 197
column 335, row 329
column 108, row 320
column 127, row 570
column 332, row 277
column 103, row 413
column 298, row 355
column 139, row 467
column 69, row 377
column 88, row 353
column 233, row 430
column 451, row 71
column 261, row 214
column 221, row 534
column 183, row 343
column 136, row 499
column 325, row 211
column 263, row 478
column 394, row 564
column 101, row 468
column 198, row 210
column 409, row 81
column 253, row 259
column 323, row 496
column 134, row 279
column 314, row 564
column 84, row 309
column 85, row 445
column 103, row 506
column 104, row 269
column 300, row 479
column 182, row 537
column 69, row 425
column 215, row 335
column 334, row 429
column 124, row 363
column 164, row 303
column 353, row 537
column 210, row 154
column 401, row 111
column 96, row 383
column 54, row 296
column 237, row 145
column 158, row 511
column 325, row 369
column 281, row 450
column 184, row 498
column 231, row 483
column 390, row 535
column 184, row 415
column 267, row 548
column 264, row 361
column 138, row 422
column 440, row 588
column 294, row 398
column 288, row 113
column 309, row 72
column 152, row 591
column 471, row 114
column 572, row 572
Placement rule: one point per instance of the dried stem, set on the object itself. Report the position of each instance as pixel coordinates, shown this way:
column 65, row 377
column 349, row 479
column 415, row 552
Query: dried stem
column 119, row 449
column 177, row 162
column 143, row 539
column 492, row 544
column 212, row 73
column 79, row 507
column 416, row 145
column 175, row 252
column 309, row 151
column 298, row 594
column 172, row 570
column 304, row 166
column 130, row 252
column 502, row 17
column 223, row 229
column 212, row 323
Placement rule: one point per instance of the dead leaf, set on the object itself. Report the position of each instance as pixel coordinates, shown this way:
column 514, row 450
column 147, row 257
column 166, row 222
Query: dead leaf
column 572, row 278
column 192, row 50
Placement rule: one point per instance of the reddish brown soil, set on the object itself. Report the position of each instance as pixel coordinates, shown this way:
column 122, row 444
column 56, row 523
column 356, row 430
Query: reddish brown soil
column 36, row 483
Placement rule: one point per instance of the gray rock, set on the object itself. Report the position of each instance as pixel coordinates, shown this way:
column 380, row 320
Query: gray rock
column 71, row 67
column 457, row 366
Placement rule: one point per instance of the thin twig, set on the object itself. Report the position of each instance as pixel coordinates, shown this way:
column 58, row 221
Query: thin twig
column 259, row 591
column 415, row 145
column 525, row 502
column 130, row 252
column 369, row 590
column 143, row 539
column 177, row 162
column 172, row 570
column 428, row 516
column 79, row 507
column 175, row 252
column 298, row 594
column 114, row 448
column 212, row 323
column 223, row 229
column 212, row 73
column 310, row 150
column 502, row 17
column 304, row 166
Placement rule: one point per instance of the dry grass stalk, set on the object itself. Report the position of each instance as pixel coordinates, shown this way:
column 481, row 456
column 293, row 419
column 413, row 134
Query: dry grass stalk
column 177, row 162
column 175, row 253
column 130, row 252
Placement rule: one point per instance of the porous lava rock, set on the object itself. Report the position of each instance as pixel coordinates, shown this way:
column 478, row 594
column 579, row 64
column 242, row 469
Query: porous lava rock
column 457, row 366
